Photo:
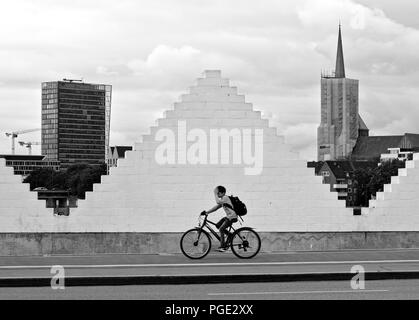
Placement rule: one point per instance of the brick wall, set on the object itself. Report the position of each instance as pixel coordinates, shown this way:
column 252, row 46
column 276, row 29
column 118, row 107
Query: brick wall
column 142, row 196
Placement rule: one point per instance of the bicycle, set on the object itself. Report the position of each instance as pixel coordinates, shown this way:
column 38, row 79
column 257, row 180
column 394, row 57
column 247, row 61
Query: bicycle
column 195, row 243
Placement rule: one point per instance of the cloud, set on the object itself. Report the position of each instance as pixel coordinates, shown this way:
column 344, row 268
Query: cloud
column 101, row 70
column 273, row 51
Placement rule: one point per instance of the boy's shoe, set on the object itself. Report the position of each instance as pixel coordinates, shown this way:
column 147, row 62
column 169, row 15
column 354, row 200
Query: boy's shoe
column 222, row 249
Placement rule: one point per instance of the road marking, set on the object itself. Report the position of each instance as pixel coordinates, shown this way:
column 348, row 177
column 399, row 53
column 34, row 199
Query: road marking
column 335, row 251
column 221, row 264
column 292, row 292
column 175, row 275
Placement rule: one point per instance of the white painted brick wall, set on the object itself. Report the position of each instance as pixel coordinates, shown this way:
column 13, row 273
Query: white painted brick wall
column 203, row 82
column 218, row 89
column 141, row 196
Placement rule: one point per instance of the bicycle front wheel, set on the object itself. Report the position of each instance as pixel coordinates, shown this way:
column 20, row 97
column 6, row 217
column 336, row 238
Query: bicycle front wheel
column 195, row 243
column 245, row 243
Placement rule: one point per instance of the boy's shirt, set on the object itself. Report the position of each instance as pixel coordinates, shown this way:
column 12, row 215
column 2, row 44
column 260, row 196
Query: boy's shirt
column 229, row 212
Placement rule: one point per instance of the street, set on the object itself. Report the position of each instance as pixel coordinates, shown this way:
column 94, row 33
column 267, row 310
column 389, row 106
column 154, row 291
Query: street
column 269, row 276
column 330, row 290
column 214, row 264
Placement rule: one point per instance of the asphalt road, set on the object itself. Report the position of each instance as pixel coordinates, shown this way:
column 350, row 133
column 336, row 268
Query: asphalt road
column 214, row 264
column 330, row 290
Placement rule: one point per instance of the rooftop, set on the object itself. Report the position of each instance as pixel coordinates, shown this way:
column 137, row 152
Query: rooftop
column 22, row 157
column 373, row 146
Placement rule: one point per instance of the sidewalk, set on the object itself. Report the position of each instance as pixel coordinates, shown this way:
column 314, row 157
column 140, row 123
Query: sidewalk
column 215, row 268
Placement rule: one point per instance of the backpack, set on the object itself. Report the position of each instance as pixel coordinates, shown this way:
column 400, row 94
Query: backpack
column 238, row 206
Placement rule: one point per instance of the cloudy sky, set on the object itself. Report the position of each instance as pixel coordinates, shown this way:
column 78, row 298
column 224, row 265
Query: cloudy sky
column 152, row 51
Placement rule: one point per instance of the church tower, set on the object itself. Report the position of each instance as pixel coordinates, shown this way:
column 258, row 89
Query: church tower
column 340, row 123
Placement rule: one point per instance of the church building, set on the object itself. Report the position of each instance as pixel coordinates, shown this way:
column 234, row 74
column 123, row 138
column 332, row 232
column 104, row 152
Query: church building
column 342, row 134
column 341, row 124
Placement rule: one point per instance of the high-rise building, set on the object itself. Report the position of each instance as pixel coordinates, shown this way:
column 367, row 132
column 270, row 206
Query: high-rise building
column 341, row 123
column 75, row 121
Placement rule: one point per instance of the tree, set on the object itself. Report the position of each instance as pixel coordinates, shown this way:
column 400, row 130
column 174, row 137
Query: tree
column 369, row 181
column 78, row 178
column 361, row 178
column 81, row 177
column 382, row 175
column 47, row 178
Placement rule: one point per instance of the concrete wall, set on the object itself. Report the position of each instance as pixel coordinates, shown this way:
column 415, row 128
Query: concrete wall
column 21, row 244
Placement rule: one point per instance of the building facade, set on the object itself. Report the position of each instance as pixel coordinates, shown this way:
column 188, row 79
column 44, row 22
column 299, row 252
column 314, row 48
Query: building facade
column 115, row 153
column 340, row 123
column 340, row 176
column 373, row 147
column 75, row 121
column 397, row 153
column 25, row 164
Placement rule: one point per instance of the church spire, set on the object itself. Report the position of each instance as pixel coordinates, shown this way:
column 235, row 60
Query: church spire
column 340, row 66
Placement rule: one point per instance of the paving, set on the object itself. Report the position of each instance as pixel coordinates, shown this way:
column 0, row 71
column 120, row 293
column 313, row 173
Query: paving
column 242, row 292
column 123, row 269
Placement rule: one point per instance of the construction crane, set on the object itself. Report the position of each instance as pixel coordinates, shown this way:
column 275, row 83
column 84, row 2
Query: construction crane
column 73, row 80
column 15, row 134
column 29, row 145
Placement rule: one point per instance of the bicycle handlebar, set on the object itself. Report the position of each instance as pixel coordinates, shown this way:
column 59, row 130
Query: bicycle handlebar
column 203, row 215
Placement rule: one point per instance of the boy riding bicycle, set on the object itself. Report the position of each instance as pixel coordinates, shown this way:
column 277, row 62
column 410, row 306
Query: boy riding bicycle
column 223, row 201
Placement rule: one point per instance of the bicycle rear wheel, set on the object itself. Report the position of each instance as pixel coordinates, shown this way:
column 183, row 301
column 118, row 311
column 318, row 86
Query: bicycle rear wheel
column 195, row 243
column 245, row 243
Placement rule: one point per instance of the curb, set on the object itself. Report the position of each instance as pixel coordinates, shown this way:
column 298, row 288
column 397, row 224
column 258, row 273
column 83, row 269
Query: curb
column 204, row 279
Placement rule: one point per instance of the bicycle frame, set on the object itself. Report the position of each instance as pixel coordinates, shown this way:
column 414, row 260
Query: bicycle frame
column 206, row 224
column 237, row 240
